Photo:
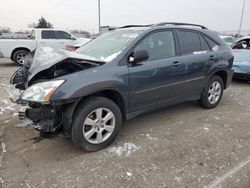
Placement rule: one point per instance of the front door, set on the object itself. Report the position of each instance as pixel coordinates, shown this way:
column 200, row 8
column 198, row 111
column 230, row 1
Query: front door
column 158, row 79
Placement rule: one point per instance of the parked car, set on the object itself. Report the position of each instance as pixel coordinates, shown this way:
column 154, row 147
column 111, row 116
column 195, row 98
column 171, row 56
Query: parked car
column 243, row 43
column 120, row 75
column 18, row 49
column 241, row 65
column 229, row 40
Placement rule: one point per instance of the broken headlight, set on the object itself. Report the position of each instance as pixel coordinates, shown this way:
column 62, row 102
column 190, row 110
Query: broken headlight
column 41, row 92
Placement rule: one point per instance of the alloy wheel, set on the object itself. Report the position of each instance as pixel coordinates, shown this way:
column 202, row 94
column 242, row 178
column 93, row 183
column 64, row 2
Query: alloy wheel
column 99, row 125
column 214, row 92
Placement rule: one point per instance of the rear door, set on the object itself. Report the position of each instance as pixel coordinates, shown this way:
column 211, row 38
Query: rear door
column 158, row 79
column 197, row 58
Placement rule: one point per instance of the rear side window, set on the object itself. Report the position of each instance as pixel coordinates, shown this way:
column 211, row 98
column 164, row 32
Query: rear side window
column 63, row 35
column 159, row 45
column 46, row 34
column 189, row 42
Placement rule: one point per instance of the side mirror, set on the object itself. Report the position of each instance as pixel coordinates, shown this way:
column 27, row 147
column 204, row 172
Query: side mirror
column 138, row 56
column 73, row 38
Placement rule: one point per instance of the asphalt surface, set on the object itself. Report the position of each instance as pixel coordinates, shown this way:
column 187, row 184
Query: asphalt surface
column 180, row 146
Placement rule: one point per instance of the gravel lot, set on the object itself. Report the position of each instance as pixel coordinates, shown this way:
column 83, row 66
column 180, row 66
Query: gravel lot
column 180, row 146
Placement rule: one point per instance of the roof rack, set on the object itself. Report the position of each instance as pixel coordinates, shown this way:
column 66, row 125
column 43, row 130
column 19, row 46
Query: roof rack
column 177, row 23
column 163, row 24
column 127, row 26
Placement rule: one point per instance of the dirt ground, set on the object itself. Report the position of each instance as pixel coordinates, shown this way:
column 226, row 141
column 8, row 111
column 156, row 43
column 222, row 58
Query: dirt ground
column 180, row 146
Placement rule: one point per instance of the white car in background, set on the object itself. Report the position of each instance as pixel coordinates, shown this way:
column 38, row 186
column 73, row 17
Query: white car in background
column 228, row 40
column 18, row 49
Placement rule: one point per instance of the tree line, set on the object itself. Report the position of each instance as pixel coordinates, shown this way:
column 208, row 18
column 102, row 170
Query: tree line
column 43, row 23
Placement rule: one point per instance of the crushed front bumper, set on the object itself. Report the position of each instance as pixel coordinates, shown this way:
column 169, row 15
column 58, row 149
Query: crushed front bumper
column 46, row 119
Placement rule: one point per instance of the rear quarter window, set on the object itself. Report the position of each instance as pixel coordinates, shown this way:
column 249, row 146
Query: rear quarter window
column 204, row 44
column 211, row 43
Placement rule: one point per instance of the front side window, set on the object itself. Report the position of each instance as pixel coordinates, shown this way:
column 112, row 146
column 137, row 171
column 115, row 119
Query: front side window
column 63, row 35
column 47, row 34
column 159, row 45
column 189, row 42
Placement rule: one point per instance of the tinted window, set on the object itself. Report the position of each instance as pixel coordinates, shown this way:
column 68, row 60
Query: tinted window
column 189, row 42
column 211, row 43
column 62, row 35
column 159, row 45
column 48, row 34
column 204, row 44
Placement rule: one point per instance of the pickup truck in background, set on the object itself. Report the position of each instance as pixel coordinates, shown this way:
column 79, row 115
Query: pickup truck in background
column 18, row 49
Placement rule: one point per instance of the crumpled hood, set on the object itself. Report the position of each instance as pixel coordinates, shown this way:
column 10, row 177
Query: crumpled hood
column 46, row 57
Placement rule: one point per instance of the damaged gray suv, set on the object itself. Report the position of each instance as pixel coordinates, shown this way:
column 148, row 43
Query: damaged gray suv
column 124, row 73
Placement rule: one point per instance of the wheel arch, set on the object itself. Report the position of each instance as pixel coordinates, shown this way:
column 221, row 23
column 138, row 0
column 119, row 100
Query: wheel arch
column 223, row 75
column 113, row 95
column 70, row 109
column 19, row 48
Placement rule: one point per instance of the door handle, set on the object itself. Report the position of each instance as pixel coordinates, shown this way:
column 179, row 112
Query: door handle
column 212, row 57
column 176, row 64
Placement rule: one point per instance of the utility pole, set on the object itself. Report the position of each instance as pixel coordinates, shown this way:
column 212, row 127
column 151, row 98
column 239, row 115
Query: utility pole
column 242, row 15
column 99, row 16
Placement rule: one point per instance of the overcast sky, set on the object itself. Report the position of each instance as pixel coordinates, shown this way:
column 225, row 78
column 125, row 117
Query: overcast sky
column 222, row 15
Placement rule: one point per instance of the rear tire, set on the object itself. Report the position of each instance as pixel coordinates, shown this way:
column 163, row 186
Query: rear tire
column 20, row 57
column 213, row 93
column 96, row 123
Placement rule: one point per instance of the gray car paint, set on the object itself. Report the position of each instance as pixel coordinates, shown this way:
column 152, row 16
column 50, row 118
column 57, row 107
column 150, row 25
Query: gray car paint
column 137, row 92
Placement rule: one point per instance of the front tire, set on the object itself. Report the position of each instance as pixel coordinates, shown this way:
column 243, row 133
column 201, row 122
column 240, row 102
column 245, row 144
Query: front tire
column 213, row 93
column 96, row 123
